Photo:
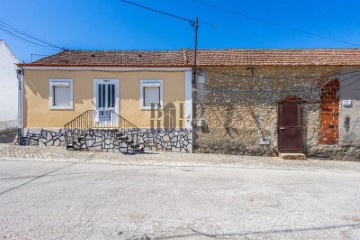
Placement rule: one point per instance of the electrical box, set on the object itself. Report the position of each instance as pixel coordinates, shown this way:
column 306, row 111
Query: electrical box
column 264, row 141
column 347, row 103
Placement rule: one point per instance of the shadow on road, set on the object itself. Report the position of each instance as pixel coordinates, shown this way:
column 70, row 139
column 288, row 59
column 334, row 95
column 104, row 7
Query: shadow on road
column 35, row 178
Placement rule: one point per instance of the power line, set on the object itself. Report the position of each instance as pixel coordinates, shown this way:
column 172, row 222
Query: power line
column 192, row 22
column 15, row 28
column 272, row 23
column 22, row 35
column 21, row 38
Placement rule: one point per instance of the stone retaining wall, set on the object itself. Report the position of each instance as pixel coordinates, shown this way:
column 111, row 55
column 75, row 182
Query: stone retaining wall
column 179, row 140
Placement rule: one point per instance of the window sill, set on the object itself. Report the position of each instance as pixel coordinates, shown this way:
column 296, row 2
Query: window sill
column 150, row 108
column 61, row 108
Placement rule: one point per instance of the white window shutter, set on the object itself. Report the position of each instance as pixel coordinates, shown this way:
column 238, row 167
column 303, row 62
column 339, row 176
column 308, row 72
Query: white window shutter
column 62, row 96
column 152, row 96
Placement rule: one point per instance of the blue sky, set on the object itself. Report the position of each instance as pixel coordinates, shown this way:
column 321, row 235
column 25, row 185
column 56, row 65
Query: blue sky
column 112, row 24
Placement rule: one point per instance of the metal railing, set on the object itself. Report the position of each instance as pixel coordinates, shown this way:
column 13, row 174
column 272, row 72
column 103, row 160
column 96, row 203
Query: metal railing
column 93, row 119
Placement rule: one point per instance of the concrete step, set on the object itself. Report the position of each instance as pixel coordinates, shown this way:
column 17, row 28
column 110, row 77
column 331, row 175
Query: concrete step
column 292, row 156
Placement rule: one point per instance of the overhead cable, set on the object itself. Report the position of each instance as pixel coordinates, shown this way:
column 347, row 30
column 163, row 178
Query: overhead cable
column 273, row 23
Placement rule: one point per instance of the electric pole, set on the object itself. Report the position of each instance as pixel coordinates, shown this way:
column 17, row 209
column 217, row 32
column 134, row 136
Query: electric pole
column 196, row 27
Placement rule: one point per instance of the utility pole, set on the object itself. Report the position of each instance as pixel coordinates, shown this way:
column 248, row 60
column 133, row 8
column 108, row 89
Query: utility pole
column 194, row 24
column 196, row 27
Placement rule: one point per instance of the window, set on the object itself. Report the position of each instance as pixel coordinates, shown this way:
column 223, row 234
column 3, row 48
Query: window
column 60, row 94
column 105, row 97
column 151, row 94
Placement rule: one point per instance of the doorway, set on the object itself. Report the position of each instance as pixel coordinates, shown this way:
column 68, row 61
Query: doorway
column 290, row 127
column 106, row 101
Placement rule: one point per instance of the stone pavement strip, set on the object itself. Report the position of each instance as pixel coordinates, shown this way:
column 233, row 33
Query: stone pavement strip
column 38, row 153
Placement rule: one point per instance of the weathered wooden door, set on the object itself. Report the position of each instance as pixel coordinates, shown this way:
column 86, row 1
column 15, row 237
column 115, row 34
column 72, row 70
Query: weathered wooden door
column 290, row 127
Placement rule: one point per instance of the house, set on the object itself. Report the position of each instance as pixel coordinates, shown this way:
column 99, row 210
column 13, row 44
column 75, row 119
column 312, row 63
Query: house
column 8, row 87
column 108, row 100
column 257, row 102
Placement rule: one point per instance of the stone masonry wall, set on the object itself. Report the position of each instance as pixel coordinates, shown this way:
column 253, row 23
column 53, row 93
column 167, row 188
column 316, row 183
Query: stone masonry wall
column 178, row 140
column 236, row 107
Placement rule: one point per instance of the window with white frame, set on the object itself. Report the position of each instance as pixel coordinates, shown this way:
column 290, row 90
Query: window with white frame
column 60, row 94
column 151, row 94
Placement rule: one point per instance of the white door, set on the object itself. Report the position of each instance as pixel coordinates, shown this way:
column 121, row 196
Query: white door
column 106, row 99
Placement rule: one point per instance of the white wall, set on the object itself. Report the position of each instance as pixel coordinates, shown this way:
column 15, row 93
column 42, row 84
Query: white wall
column 8, row 88
column 350, row 117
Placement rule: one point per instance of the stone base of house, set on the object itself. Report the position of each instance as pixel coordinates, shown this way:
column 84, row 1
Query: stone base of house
column 177, row 140
column 336, row 152
column 249, row 142
column 233, row 141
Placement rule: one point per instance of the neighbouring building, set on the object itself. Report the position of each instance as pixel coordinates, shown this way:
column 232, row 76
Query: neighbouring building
column 8, row 87
column 262, row 102
column 257, row 102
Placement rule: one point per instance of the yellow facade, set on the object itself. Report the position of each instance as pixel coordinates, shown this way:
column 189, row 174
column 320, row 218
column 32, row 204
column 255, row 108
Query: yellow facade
column 37, row 113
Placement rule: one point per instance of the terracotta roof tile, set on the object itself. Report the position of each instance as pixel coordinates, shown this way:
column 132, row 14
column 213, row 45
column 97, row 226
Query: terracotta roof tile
column 284, row 57
column 185, row 57
column 112, row 58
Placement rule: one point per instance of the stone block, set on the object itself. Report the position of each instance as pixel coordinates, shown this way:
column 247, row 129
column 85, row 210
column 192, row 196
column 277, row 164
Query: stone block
column 57, row 142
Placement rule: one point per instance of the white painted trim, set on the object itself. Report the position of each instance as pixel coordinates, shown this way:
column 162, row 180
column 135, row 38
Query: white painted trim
column 188, row 100
column 53, row 82
column 144, row 83
column 114, row 69
column 108, row 80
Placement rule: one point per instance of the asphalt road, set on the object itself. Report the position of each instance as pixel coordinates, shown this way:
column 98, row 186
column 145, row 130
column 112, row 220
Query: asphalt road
column 67, row 200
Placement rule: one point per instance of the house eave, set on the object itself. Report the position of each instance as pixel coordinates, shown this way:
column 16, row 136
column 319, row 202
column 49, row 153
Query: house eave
column 104, row 67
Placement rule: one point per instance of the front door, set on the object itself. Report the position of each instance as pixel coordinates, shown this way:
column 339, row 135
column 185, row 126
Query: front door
column 106, row 98
column 290, row 127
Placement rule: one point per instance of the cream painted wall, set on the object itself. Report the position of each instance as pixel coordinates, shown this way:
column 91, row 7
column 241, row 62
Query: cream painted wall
column 36, row 95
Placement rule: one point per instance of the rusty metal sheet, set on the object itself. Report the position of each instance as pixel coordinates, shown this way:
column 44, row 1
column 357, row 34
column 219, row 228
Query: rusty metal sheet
column 290, row 127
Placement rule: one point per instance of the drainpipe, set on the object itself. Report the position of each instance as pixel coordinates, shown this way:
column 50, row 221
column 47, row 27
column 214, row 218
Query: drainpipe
column 196, row 28
column 20, row 74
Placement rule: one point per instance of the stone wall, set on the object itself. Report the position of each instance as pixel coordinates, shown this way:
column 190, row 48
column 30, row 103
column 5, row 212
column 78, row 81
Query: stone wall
column 179, row 140
column 236, row 107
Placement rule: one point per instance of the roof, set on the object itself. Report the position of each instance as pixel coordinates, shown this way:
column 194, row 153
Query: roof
column 286, row 57
column 185, row 57
column 112, row 58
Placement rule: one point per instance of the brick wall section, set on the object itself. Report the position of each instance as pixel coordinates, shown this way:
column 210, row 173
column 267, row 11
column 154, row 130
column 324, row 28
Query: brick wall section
column 329, row 126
